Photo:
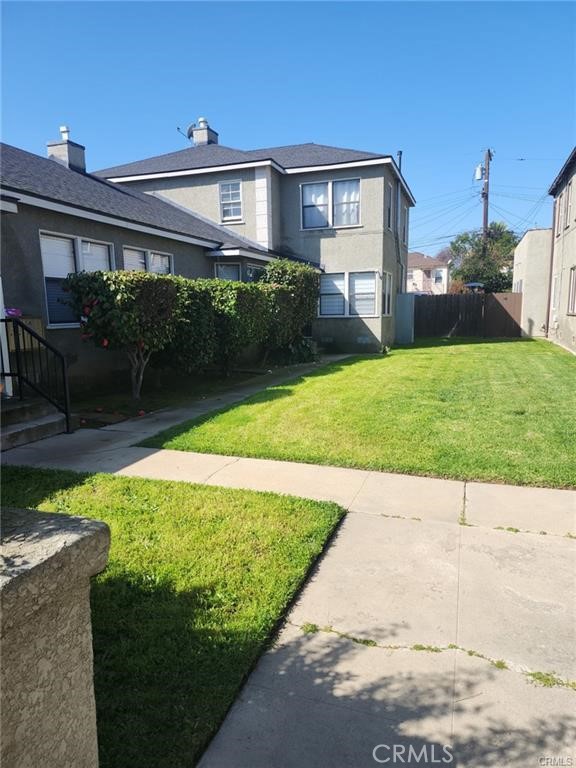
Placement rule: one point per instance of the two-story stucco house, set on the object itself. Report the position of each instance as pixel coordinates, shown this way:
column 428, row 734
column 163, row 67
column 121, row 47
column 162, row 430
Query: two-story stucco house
column 344, row 210
column 545, row 267
column 427, row 275
column 562, row 300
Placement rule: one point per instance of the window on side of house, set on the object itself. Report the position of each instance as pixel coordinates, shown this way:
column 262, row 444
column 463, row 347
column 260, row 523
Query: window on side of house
column 231, row 201
column 410, row 275
column 315, row 208
column 386, row 293
column 327, row 204
column 134, row 260
column 438, row 276
column 568, row 211
column 332, row 294
column 58, row 261
column 94, row 256
column 362, row 293
column 572, row 292
column 254, row 273
column 389, row 206
column 346, row 203
column 61, row 256
column 559, row 207
column 228, row 271
column 405, row 224
column 159, row 263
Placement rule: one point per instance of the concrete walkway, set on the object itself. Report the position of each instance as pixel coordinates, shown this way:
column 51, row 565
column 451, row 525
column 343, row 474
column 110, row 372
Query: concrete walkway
column 417, row 630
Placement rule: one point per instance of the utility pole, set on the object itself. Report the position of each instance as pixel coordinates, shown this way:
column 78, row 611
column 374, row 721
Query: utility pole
column 485, row 194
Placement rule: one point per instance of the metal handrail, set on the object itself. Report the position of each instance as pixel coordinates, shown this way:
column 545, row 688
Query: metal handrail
column 42, row 368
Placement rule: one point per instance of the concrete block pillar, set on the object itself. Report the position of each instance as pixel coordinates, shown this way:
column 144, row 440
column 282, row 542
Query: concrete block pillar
column 48, row 713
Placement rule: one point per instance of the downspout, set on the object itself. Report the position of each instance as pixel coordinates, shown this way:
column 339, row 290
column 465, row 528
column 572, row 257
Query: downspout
column 550, row 277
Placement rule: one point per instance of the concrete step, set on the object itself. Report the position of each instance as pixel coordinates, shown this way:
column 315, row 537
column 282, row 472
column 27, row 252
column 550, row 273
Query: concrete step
column 29, row 431
column 15, row 411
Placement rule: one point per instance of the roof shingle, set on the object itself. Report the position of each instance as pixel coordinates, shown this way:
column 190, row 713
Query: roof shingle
column 24, row 172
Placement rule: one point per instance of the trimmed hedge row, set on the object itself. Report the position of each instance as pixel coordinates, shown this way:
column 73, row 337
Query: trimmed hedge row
column 190, row 324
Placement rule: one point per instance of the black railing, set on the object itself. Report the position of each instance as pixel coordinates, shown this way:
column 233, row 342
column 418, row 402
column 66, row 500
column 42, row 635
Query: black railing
column 35, row 364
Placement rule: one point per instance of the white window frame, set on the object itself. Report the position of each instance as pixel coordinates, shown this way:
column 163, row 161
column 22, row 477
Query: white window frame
column 231, row 219
column 387, row 285
column 78, row 265
column 253, row 266
column 347, row 314
column 389, row 210
column 568, row 205
column 330, row 225
column 147, row 253
column 559, row 209
column 405, row 224
column 571, row 291
column 228, row 264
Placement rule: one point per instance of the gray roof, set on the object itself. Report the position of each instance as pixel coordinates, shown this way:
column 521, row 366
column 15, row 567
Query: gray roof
column 213, row 155
column 565, row 172
column 25, row 173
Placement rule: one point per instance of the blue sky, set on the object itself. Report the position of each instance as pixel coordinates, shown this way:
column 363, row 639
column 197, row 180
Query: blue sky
column 440, row 81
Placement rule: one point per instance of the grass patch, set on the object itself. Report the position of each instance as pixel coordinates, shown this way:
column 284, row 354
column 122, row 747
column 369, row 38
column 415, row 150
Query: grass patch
column 550, row 680
column 500, row 411
column 197, row 579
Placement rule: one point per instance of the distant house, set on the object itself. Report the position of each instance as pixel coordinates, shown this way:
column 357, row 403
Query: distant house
column 427, row 275
column 545, row 267
column 531, row 278
column 344, row 210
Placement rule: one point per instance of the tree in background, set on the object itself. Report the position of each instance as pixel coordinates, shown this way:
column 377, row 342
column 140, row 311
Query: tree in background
column 490, row 263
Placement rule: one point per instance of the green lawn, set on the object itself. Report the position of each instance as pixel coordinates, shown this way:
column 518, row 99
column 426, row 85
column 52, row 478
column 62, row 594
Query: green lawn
column 478, row 410
column 197, row 579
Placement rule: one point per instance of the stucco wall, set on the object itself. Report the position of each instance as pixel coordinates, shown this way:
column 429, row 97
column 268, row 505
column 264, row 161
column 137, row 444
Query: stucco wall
column 200, row 193
column 531, row 278
column 48, row 710
column 23, row 279
column 562, row 325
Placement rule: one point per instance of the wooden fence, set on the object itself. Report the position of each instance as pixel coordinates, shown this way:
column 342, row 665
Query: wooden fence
column 491, row 315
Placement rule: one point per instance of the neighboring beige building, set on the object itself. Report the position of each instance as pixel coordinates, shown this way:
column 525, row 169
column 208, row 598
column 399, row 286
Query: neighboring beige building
column 532, row 279
column 427, row 275
column 343, row 210
column 562, row 297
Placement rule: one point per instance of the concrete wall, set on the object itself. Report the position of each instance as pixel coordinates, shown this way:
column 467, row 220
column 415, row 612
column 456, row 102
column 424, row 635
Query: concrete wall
column 531, row 278
column 562, row 324
column 48, row 710
column 23, row 279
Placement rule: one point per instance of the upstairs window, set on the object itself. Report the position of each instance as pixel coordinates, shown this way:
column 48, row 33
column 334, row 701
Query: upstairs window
column 405, row 224
column 568, row 206
column 438, row 276
column 389, row 206
column 231, row 201
column 331, row 204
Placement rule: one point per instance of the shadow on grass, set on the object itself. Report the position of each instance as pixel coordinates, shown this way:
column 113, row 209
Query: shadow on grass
column 163, row 680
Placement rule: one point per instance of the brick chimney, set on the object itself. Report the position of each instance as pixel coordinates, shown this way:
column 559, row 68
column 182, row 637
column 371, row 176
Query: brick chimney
column 67, row 152
column 202, row 134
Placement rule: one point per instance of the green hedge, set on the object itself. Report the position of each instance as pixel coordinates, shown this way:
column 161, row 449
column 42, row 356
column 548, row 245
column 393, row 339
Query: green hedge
column 190, row 324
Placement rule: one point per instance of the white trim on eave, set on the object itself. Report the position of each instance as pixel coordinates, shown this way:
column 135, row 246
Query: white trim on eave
column 272, row 164
column 8, row 206
column 39, row 202
column 227, row 252
column 196, row 171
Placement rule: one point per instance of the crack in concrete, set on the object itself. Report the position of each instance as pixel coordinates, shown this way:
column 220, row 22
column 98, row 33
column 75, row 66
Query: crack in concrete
column 543, row 679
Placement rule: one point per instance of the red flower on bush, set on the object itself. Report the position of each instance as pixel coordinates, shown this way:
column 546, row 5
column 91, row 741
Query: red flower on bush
column 105, row 342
